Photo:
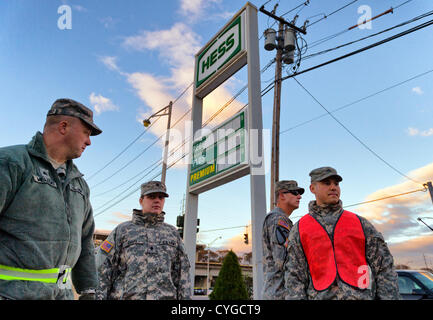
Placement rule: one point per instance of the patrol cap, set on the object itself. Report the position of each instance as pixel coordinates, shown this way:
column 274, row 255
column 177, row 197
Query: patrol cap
column 153, row 187
column 289, row 185
column 322, row 173
column 69, row 107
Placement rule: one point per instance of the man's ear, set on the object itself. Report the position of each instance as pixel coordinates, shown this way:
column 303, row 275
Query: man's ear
column 313, row 188
column 62, row 126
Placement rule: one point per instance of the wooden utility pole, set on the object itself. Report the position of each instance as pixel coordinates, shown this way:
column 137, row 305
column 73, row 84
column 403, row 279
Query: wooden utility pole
column 430, row 189
column 277, row 96
column 275, row 157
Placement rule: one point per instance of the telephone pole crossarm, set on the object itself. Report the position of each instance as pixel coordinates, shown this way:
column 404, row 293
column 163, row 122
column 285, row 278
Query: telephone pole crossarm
column 262, row 9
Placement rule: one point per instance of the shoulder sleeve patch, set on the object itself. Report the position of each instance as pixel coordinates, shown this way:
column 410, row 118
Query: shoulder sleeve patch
column 106, row 246
column 283, row 224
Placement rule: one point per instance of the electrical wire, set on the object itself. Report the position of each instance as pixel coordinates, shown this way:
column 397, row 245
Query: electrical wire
column 387, row 197
column 327, row 38
column 357, row 101
column 380, row 199
column 121, row 152
column 354, row 136
column 140, row 135
column 269, row 87
column 326, row 16
column 183, row 156
column 416, row 28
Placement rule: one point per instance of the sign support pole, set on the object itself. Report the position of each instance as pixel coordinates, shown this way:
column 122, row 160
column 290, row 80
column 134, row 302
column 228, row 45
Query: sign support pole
column 255, row 156
column 190, row 222
column 257, row 173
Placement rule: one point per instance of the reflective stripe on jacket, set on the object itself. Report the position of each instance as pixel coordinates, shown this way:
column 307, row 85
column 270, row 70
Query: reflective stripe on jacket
column 44, row 223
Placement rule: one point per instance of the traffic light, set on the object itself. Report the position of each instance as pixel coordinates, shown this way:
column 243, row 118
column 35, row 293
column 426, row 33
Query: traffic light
column 246, row 238
column 179, row 224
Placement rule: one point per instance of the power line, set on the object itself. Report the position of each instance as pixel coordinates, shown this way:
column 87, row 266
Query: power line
column 419, row 27
column 269, row 87
column 183, row 156
column 382, row 198
column 326, row 16
column 121, row 152
column 320, row 41
column 357, row 101
column 387, row 197
column 354, row 136
column 370, row 36
column 139, row 136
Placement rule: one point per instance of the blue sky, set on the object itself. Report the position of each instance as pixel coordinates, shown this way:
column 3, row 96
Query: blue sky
column 128, row 59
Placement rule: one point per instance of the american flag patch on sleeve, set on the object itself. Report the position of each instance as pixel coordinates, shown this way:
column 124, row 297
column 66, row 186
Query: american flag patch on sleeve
column 106, row 246
column 283, row 224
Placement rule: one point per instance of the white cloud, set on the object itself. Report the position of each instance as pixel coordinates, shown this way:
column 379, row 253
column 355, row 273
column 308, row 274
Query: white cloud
column 199, row 9
column 101, row 104
column 79, row 8
column 417, row 132
column 417, row 90
column 109, row 62
column 176, row 45
column 176, row 48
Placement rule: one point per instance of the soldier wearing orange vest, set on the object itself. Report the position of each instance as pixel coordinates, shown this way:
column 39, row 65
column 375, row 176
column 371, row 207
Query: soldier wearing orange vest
column 336, row 254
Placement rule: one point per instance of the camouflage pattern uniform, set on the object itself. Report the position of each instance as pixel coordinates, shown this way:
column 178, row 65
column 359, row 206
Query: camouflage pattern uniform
column 383, row 278
column 275, row 233
column 147, row 261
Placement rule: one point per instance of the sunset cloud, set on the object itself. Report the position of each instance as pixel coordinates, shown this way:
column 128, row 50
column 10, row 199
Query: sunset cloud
column 176, row 47
column 102, row 104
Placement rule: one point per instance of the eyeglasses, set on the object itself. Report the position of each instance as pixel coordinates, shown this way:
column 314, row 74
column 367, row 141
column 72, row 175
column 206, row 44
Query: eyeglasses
column 294, row 192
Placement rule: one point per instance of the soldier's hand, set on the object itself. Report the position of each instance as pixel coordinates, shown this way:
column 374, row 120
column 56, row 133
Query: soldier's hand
column 87, row 296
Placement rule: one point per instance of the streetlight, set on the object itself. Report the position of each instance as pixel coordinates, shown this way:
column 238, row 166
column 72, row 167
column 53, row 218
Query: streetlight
column 166, row 111
column 208, row 253
column 419, row 219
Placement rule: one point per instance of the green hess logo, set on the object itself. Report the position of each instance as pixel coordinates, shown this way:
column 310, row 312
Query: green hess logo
column 226, row 45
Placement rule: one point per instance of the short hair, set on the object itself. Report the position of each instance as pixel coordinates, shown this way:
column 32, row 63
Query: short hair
column 54, row 120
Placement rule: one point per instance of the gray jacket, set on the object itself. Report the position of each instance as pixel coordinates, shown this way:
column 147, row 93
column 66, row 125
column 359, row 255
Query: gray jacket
column 44, row 223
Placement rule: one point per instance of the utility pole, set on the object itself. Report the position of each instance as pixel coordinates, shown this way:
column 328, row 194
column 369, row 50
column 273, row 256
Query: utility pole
column 275, row 156
column 430, row 189
column 425, row 261
column 167, row 138
column 282, row 47
column 166, row 111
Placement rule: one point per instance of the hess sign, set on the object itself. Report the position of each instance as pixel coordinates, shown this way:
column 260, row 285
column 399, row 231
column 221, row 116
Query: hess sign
column 221, row 57
column 219, row 153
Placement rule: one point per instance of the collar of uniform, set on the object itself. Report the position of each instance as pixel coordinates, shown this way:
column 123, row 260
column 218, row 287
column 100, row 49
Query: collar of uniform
column 138, row 217
column 36, row 147
column 325, row 210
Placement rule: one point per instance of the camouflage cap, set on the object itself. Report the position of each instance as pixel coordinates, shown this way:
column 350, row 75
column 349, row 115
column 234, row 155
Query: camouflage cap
column 322, row 173
column 153, row 187
column 69, row 107
column 289, row 185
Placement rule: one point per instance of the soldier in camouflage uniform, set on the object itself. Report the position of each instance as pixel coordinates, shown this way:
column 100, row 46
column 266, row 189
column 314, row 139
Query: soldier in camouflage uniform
column 144, row 259
column 327, row 210
column 276, row 228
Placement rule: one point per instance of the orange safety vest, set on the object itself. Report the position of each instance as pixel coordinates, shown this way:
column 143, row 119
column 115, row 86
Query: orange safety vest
column 343, row 255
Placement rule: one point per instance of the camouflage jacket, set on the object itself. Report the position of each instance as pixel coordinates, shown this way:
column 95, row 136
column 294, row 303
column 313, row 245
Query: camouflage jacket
column 384, row 280
column 275, row 234
column 143, row 259
column 45, row 222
